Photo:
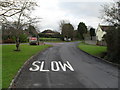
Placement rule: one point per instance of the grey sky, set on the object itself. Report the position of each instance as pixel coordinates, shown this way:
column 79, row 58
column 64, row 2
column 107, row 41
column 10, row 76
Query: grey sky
column 75, row 11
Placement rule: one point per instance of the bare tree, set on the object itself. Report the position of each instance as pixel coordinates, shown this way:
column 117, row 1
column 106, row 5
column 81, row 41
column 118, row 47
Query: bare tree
column 62, row 22
column 19, row 11
column 8, row 8
column 111, row 13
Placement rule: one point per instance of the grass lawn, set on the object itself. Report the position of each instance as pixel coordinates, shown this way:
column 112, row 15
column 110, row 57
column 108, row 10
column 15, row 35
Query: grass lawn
column 12, row 60
column 50, row 39
column 93, row 49
column 0, row 66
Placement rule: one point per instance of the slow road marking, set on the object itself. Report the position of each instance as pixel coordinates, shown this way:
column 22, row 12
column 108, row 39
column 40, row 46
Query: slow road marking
column 54, row 66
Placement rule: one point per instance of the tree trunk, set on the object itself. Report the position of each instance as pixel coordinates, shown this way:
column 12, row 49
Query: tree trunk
column 83, row 37
column 17, row 44
column 91, row 37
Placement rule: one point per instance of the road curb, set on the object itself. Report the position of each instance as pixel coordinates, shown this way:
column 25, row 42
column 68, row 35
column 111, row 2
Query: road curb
column 19, row 72
column 113, row 64
column 12, row 84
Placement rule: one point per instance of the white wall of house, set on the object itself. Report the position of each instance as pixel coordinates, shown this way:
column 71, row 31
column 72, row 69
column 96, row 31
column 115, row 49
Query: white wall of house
column 99, row 34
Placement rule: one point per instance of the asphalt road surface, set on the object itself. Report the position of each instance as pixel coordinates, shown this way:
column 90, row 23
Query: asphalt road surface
column 89, row 72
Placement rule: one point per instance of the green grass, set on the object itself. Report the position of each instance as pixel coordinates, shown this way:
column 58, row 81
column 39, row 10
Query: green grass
column 0, row 66
column 93, row 49
column 50, row 39
column 12, row 60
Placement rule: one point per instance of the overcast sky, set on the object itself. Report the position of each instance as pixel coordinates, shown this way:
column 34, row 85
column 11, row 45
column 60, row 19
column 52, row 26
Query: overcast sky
column 74, row 11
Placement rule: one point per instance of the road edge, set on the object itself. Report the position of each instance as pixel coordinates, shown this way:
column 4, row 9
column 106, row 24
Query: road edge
column 113, row 64
column 19, row 71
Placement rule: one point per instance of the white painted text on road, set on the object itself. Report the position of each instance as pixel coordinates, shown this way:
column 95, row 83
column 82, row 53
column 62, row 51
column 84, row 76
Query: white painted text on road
column 54, row 66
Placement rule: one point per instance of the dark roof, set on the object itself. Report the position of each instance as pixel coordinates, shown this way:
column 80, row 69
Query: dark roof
column 49, row 31
column 105, row 28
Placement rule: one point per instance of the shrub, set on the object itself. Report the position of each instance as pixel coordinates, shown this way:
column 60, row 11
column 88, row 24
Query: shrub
column 8, row 41
column 23, row 38
column 113, row 45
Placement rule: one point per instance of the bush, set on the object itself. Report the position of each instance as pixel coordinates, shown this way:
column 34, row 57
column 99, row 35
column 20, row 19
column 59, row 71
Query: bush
column 12, row 39
column 23, row 38
column 113, row 45
column 8, row 41
column 4, row 37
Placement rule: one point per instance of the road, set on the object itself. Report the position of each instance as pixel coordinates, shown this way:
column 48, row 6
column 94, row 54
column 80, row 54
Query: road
column 89, row 72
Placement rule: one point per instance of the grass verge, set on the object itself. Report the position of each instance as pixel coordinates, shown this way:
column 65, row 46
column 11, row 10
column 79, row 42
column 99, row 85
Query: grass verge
column 50, row 39
column 12, row 61
column 93, row 49
column 0, row 67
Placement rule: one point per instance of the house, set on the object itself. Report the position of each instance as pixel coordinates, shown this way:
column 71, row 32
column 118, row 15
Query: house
column 50, row 33
column 100, row 32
